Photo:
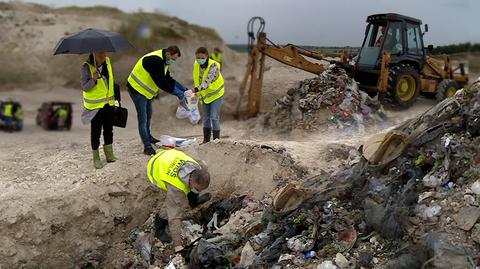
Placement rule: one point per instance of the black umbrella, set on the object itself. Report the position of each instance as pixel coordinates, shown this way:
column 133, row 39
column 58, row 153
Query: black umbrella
column 91, row 40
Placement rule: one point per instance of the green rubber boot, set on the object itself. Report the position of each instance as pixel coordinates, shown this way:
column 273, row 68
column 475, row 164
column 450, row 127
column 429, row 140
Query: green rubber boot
column 108, row 149
column 96, row 159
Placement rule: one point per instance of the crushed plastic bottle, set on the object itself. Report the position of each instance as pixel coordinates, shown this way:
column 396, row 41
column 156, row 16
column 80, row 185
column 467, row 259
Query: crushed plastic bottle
column 476, row 187
column 327, row 265
column 310, row 254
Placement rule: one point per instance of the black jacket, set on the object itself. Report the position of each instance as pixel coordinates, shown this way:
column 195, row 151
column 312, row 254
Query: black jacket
column 155, row 66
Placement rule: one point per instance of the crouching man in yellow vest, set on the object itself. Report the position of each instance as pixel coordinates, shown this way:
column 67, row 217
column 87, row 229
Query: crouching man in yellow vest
column 182, row 178
column 209, row 87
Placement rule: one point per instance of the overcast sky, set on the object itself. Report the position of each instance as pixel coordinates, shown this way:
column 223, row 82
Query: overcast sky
column 311, row 22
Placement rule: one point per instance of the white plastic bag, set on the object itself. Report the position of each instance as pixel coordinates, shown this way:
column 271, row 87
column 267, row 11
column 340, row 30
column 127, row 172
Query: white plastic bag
column 193, row 115
column 192, row 100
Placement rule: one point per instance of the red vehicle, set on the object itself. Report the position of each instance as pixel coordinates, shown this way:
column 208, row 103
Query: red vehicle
column 55, row 116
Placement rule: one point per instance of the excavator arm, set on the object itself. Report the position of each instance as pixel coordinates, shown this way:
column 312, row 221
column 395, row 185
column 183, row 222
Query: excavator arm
column 289, row 54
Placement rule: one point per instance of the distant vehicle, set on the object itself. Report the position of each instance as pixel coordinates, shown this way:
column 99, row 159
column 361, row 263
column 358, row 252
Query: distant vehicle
column 11, row 115
column 55, row 116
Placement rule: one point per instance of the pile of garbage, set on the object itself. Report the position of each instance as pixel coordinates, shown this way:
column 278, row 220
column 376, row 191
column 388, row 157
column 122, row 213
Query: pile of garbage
column 411, row 201
column 332, row 98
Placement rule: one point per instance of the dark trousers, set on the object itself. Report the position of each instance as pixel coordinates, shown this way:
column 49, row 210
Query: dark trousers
column 103, row 119
column 144, row 115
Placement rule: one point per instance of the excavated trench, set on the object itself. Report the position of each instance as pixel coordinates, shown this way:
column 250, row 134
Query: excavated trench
column 83, row 216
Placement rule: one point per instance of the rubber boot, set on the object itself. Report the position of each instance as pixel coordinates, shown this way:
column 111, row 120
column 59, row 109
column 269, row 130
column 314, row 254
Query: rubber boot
column 96, row 159
column 207, row 132
column 161, row 232
column 108, row 150
column 216, row 134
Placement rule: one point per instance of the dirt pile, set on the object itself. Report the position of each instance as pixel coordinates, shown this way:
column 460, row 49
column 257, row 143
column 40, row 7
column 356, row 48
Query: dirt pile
column 332, row 98
column 52, row 218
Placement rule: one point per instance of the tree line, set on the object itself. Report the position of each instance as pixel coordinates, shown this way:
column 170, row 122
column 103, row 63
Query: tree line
column 457, row 48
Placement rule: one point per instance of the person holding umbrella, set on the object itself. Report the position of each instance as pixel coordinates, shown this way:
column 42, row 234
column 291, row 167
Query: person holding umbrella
column 97, row 82
column 98, row 99
column 148, row 76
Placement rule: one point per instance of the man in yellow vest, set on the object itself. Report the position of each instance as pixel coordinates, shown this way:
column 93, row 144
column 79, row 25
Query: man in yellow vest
column 8, row 115
column 217, row 56
column 62, row 115
column 182, row 177
column 149, row 75
column 209, row 87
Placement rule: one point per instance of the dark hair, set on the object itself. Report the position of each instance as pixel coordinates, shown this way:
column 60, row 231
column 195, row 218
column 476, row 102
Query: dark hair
column 174, row 50
column 202, row 50
column 201, row 177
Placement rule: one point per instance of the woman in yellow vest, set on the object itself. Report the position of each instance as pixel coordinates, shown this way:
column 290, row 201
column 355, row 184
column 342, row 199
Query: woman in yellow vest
column 209, row 87
column 98, row 99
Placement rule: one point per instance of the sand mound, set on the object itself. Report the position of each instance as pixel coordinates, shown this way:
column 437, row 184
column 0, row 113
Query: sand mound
column 48, row 222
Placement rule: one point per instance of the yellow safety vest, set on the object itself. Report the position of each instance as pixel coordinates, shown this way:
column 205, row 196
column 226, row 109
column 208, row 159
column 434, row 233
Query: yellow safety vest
column 62, row 113
column 216, row 88
column 141, row 80
column 100, row 95
column 163, row 168
column 7, row 112
column 216, row 57
column 19, row 113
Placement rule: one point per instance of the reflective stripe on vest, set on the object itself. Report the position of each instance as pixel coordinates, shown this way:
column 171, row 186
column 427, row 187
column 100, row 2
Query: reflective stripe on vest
column 215, row 90
column 141, row 80
column 100, row 95
column 163, row 169
column 7, row 112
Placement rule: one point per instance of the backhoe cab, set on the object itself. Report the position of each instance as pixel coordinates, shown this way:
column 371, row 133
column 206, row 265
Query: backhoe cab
column 393, row 62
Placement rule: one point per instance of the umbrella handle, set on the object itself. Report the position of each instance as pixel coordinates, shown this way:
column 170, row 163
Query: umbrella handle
column 95, row 65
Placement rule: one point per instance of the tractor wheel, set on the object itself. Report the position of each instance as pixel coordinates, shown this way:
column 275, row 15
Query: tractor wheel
column 446, row 88
column 403, row 85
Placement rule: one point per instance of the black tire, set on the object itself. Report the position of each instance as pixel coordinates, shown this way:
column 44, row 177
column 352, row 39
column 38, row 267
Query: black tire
column 403, row 96
column 446, row 88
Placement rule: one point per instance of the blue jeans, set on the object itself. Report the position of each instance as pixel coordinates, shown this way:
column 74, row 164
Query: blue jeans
column 179, row 90
column 144, row 111
column 212, row 114
column 144, row 115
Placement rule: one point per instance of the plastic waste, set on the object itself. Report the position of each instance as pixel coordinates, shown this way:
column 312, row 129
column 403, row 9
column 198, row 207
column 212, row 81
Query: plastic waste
column 174, row 142
column 476, row 187
column 286, row 257
column 300, row 243
column 429, row 212
column 433, row 180
column 448, row 186
column 327, row 265
column 192, row 99
column 143, row 244
column 248, row 256
column 193, row 115
column 341, row 261
column 310, row 254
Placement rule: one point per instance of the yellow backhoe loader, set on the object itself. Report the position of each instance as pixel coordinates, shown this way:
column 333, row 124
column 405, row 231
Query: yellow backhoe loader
column 392, row 63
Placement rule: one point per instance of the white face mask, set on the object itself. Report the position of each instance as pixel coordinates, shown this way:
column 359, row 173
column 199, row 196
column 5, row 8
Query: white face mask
column 194, row 190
